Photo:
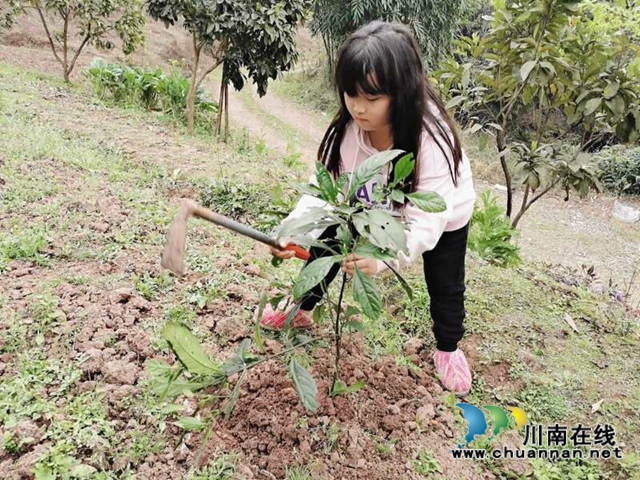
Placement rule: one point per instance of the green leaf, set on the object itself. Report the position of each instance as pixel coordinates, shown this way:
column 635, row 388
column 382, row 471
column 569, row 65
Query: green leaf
column 525, row 70
column 190, row 424
column 617, row 105
column 355, row 326
column 241, row 360
column 611, row 90
column 368, row 250
column 187, row 347
column 549, row 67
column 381, row 229
column 305, row 385
column 592, row 105
column 308, row 189
column 43, row 472
column 455, row 101
column 168, row 382
column 365, row 293
column 354, row 387
column 290, row 316
column 342, row 181
column 83, row 471
column 341, row 389
column 325, row 182
column 585, row 94
column 351, row 311
column 233, row 398
column 313, row 219
column 403, row 168
column 344, row 235
column 369, row 168
column 533, row 180
column 313, row 274
column 397, row 196
column 318, row 314
column 429, row 202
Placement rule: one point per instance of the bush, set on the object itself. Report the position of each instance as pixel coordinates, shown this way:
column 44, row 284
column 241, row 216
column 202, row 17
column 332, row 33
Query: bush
column 491, row 233
column 255, row 204
column 620, row 169
column 150, row 89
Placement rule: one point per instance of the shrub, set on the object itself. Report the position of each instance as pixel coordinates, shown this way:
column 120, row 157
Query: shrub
column 244, row 202
column 151, row 89
column 620, row 169
column 491, row 233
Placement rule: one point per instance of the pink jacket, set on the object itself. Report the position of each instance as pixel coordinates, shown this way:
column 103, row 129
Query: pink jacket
column 425, row 229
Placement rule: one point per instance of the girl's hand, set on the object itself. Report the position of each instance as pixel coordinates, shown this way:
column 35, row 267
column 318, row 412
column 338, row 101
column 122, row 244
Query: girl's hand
column 283, row 254
column 368, row 266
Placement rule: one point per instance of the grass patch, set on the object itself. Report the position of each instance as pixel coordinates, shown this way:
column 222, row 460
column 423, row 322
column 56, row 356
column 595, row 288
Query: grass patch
column 25, row 245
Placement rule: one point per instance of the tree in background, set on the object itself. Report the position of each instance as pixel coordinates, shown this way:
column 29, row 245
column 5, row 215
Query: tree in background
column 258, row 37
column 432, row 22
column 6, row 20
column 92, row 21
column 547, row 87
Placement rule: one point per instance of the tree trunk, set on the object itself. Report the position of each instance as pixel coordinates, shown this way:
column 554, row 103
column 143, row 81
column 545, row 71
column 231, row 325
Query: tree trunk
column 523, row 208
column 218, row 129
column 527, row 205
column 505, row 169
column 226, row 112
column 517, row 219
column 65, row 50
column 191, row 97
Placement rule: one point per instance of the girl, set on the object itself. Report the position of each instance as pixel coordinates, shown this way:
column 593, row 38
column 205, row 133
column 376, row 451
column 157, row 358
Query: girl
column 387, row 103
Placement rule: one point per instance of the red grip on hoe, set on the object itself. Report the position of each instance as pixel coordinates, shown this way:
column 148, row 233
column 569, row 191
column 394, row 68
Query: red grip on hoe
column 301, row 253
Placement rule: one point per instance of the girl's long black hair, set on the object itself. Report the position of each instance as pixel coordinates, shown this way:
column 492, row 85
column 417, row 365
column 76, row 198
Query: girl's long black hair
column 383, row 58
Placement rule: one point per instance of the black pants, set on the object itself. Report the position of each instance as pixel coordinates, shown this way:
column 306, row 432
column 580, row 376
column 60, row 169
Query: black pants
column 444, row 272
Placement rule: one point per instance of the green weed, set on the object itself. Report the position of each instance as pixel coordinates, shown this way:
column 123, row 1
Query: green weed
column 491, row 234
column 222, row 467
column 426, row 463
column 25, row 245
column 297, row 472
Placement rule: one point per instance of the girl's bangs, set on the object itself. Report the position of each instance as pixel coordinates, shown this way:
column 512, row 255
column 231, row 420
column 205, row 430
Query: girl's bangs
column 359, row 73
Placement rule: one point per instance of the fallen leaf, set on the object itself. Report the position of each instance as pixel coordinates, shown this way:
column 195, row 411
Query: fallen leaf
column 569, row 320
column 596, row 406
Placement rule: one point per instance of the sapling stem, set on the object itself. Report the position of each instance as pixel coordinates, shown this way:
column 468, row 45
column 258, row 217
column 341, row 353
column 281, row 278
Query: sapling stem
column 338, row 332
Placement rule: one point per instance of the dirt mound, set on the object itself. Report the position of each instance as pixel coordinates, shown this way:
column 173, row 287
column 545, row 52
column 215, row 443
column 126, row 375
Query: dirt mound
column 375, row 433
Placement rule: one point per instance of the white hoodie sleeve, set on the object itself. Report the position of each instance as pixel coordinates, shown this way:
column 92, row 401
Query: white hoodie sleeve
column 425, row 229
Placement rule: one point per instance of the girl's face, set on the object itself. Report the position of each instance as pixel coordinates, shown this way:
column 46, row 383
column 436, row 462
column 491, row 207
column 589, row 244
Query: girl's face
column 370, row 111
